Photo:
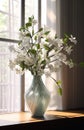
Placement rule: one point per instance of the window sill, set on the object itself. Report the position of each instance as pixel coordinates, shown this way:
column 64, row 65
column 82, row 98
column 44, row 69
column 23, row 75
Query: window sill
column 51, row 120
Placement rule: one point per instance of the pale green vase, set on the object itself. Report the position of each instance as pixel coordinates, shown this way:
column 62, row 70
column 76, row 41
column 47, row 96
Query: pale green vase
column 37, row 97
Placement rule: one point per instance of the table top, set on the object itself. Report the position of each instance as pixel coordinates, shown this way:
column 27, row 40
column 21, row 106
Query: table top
column 25, row 117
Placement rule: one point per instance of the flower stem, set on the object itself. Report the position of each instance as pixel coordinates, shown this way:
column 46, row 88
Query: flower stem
column 55, row 81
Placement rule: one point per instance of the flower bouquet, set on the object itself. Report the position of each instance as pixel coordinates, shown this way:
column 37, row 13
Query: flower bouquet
column 40, row 51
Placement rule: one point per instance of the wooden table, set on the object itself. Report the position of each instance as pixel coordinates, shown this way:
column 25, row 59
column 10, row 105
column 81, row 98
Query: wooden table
column 51, row 120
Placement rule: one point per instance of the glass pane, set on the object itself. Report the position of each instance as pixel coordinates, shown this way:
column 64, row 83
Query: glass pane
column 10, row 21
column 4, row 25
column 44, row 12
column 9, row 82
column 4, row 5
column 31, row 8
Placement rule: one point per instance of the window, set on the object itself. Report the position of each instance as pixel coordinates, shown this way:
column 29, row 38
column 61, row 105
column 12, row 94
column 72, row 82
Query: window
column 11, row 93
column 10, row 22
column 13, row 86
column 9, row 18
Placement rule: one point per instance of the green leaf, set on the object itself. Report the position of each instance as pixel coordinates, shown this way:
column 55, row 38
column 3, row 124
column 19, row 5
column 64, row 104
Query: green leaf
column 22, row 28
column 28, row 35
column 22, row 65
column 46, row 47
column 81, row 64
column 28, row 24
column 33, row 51
column 32, row 32
column 60, row 91
column 43, row 62
column 40, row 29
column 35, row 38
column 30, row 19
column 47, row 40
column 58, row 82
column 47, row 32
column 66, row 38
column 38, row 46
column 19, row 42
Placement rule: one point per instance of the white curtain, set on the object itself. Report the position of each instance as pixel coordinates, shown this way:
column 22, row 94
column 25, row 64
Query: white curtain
column 52, row 20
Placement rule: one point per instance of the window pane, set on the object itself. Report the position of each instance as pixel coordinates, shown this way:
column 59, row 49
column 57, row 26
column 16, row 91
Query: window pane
column 4, row 25
column 4, row 5
column 9, row 82
column 31, row 8
column 10, row 20
column 43, row 12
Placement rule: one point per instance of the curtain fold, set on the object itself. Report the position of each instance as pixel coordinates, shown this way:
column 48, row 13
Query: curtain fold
column 72, row 22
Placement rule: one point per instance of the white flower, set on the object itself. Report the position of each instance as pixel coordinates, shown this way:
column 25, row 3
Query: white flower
column 19, row 70
column 40, row 51
column 59, row 42
column 47, row 73
column 62, row 57
column 29, row 60
column 22, row 35
column 73, row 39
column 70, row 64
column 68, row 49
column 11, row 64
column 34, row 22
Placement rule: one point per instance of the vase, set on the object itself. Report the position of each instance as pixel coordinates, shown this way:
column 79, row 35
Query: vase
column 37, row 97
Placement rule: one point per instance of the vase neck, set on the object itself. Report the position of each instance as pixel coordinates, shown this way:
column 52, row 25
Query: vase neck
column 37, row 77
column 37, row 81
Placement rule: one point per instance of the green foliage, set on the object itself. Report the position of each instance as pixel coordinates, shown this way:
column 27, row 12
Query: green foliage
column 38, row 46
column 81, row 64
column 28, row 35
column 32, row 51
column 35, row 38
column 28, row 24
column 60, row 91
column 22, row 29
column 65, row 39
column 19, row 42
column 47, row 32
column 59, row 87
column 41, row 29
column 58, row 82
column 46, row 47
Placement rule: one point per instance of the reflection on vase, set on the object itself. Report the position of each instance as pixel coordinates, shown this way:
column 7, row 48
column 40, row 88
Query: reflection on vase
column 37, row 97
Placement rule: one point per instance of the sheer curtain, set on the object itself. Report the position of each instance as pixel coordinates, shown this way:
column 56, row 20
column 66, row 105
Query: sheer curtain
column 52, row 18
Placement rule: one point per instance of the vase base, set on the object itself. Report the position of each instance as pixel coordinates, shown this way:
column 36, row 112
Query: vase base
column 37, row 117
